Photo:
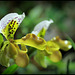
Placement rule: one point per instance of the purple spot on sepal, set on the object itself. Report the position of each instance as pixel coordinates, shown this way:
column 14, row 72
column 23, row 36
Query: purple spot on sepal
column 8, row 21
column 19, row 19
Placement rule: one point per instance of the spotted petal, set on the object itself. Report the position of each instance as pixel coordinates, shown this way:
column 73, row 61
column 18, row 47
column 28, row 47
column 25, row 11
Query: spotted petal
column 10, row 23
column 44, row 24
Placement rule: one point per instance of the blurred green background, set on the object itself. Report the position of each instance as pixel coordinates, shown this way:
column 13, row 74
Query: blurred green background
column 63, row 15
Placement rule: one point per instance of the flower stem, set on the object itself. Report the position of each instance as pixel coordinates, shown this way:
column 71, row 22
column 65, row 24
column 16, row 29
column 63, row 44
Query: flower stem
column 68, row 63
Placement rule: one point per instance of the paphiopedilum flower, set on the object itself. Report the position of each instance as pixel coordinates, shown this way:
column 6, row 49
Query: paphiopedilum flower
column 52, row 51
column 8, row 27
column 10, row 48
column 53, row 46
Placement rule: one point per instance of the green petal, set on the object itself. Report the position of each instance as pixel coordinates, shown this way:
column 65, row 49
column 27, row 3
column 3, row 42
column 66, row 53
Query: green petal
column 56, row 56
column 63, row 44
column 51, row 46
column 10, row 29
column 33, row 41
column 21, row 59
column 40, row 58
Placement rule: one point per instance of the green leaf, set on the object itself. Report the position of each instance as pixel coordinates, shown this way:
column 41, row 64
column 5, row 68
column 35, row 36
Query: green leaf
column 11, row 69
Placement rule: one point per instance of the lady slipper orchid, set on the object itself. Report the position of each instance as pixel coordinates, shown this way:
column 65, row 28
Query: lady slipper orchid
column 53, row 46
column 10, row 48
column 8, row 27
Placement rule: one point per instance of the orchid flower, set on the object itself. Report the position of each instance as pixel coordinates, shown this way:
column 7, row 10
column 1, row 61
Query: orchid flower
column 8, row 27
column 53, row 46
column 10, row 48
